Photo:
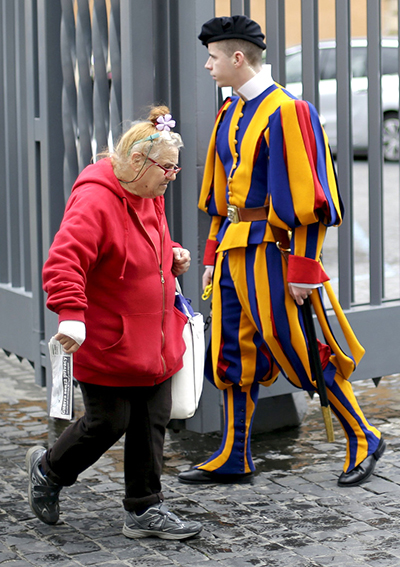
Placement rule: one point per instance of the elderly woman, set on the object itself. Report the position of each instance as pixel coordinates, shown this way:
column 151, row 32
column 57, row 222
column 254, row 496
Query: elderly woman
column 110, row 277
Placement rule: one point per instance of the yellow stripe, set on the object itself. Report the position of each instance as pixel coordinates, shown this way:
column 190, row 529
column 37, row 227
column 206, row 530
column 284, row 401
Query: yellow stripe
column 242, row 177
column 264, row 305
column 299, row 170
column 216, row 325
column 229, row 417
column 343, row 362
column 332, row 179
column 362, row 444
column 211, row 162
column 250, row 409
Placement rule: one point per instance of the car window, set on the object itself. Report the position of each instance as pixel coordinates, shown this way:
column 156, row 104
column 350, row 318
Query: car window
column 293, row 68
column 327, row 64
column 390, row 61
column 359, row 61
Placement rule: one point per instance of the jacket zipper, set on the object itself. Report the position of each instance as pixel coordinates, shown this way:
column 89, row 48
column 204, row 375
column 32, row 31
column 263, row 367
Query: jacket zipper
column 160, row 267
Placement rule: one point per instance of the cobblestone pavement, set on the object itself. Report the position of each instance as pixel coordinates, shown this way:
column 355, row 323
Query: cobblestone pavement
column 293, row 515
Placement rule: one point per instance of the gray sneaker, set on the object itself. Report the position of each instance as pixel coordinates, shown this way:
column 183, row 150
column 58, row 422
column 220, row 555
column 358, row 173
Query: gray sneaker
column 42, row 492
column 158, row 521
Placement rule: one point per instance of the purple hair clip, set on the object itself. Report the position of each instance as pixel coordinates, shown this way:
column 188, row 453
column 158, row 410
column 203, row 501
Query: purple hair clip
column 165, row 122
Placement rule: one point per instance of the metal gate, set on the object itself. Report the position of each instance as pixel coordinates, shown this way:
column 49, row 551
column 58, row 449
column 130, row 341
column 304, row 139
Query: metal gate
column 74, row 73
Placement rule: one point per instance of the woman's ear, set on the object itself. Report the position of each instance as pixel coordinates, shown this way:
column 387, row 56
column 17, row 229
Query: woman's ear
column 136, row 159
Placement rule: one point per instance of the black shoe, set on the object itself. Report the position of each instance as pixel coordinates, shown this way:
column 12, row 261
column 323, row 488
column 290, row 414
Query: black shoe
column 364, row 470
column 200, row 476
column 42, row 492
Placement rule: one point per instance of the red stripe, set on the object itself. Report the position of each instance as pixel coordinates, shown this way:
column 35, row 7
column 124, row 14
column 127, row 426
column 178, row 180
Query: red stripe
column 304, row 119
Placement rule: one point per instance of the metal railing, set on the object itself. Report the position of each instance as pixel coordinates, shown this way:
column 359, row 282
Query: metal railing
column 72, row 79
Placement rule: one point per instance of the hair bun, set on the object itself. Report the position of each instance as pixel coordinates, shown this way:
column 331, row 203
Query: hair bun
column 156, row 112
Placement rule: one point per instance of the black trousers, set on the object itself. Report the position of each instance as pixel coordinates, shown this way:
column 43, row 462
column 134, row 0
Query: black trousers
column 141, row 413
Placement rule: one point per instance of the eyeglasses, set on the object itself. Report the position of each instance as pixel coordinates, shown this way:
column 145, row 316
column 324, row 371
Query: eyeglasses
column 173, row 170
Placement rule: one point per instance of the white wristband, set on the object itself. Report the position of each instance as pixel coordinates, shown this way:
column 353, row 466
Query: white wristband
column 76, row 330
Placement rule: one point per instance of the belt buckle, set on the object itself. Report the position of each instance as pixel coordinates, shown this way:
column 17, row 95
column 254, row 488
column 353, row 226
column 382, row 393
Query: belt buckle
column 233, row 214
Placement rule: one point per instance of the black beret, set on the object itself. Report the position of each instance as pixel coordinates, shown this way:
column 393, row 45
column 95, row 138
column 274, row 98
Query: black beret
column 233, row 27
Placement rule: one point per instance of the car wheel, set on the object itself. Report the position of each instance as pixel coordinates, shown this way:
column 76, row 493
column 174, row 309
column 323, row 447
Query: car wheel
column 390, row 136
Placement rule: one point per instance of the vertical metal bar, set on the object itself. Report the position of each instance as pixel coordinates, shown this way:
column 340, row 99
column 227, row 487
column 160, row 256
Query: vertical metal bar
column 4, row 278
column 101, row 112
column 275, row 38
column 85, row 89
column 237, row 7
column 34, row 186
column 398, row 63
column 69, row 96
column 168, row 45
column 50, row 146
column 22, row 136
column 137, row 58
column 164, row 62
column 115, row 62
column 49, row 122
column 375, row 166
column 11, row 148
column 310, row 51
column 344, row 150
column 197, row 114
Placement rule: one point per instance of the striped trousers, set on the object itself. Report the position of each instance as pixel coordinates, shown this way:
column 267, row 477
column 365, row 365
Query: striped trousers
column 257, row 332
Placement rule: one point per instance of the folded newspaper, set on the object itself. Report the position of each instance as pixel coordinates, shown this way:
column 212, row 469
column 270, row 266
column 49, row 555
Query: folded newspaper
column 61, row 403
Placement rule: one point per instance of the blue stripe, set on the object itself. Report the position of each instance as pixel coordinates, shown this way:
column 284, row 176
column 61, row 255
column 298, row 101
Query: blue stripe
column 277, row 292
column 278, row 180
column 321, row 165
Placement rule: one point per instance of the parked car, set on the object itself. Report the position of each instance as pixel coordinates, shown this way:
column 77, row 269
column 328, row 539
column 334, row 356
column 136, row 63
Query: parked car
column 359, row 89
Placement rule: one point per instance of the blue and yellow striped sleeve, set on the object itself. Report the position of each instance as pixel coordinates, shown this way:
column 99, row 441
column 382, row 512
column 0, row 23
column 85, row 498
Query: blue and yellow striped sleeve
column 302, row 186
column 212, row 198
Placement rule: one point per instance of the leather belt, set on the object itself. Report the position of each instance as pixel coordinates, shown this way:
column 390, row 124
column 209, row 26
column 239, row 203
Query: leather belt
column 282, row 237
column 237, row 214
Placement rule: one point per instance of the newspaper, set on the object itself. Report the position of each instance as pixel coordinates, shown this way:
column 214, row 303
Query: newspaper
column 61, row 403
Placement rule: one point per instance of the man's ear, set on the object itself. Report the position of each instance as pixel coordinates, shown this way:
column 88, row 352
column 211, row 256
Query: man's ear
column 238, row 59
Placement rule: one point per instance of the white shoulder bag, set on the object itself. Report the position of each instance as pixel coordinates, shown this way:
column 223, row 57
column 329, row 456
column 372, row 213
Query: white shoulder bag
column 187, row 383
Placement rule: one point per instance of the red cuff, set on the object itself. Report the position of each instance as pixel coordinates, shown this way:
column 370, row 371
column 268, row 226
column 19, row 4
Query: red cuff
column 305, row 270
column 209, row 252
column 71, row 315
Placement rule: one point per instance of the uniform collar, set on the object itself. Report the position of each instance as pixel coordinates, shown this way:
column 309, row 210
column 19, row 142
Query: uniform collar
column 257, row 84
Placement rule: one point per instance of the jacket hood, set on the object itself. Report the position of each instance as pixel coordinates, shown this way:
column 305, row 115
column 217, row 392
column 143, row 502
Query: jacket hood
column 100, row 173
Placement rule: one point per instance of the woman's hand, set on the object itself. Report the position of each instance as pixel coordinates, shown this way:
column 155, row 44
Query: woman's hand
column 299, row 294
column 69, row 345
column 181, row 261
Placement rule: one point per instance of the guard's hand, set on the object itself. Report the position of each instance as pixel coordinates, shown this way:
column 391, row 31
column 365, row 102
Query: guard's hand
column 299, row 294
column 207, row 276
column 181, row 261
column 69, row 345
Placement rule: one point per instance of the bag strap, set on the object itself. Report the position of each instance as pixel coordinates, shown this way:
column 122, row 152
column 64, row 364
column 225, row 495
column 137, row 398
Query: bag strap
column 282, row 240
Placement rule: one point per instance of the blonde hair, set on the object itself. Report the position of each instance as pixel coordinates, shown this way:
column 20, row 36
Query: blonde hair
column 137, row 139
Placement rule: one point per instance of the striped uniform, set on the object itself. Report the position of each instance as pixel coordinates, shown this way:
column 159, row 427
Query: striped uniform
column 272, row 150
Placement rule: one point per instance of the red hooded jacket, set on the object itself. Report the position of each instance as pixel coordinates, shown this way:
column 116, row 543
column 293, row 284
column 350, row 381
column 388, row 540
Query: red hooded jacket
column 110, row 267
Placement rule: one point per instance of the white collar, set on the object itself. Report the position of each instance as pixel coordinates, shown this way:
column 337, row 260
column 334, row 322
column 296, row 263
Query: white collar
column 257, row 84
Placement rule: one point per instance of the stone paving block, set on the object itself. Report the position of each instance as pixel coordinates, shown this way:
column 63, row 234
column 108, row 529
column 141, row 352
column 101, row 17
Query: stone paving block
column 8, row 556
column 383, row 486
column 293, row 514
column 51, row 559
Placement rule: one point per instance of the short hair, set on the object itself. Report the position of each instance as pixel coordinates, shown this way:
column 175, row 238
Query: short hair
column 252, row 52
